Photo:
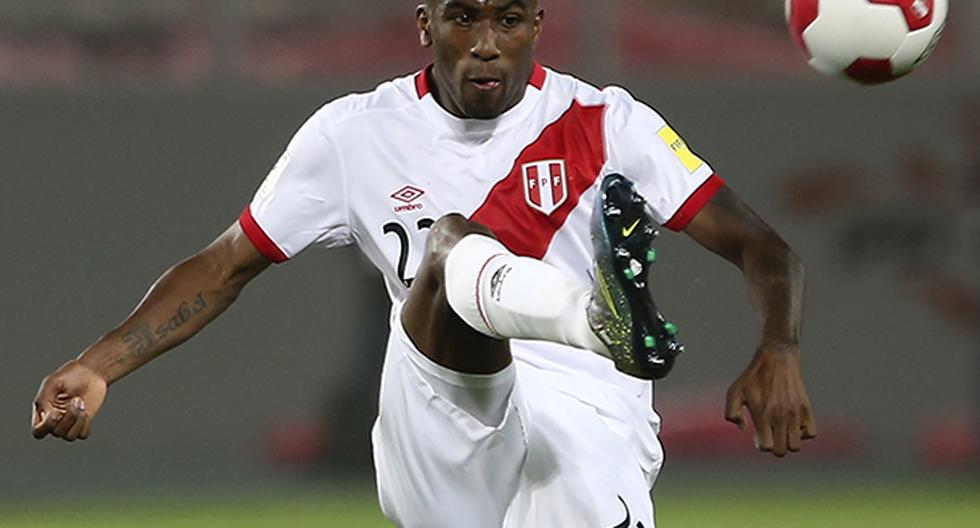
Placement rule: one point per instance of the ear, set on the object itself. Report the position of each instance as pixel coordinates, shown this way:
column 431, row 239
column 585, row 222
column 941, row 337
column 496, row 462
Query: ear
column 538, row 22
column 423, row 21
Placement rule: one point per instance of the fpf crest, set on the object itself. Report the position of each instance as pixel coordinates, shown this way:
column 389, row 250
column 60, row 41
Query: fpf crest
column 545, row 184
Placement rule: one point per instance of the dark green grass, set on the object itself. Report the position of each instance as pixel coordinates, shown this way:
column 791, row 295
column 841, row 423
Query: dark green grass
column 855, row 505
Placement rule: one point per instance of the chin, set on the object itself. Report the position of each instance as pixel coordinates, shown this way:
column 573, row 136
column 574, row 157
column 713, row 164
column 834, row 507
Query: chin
column 483, row 109
column 482, row 113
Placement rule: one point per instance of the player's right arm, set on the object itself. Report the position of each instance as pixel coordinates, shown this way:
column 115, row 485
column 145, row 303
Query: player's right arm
column 303, row 201
column 179, row 304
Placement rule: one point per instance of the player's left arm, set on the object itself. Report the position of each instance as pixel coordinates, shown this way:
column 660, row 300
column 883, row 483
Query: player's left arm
column 771, row 387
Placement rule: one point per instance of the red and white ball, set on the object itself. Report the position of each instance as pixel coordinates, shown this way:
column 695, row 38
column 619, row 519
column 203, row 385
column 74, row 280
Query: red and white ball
column 869, row 41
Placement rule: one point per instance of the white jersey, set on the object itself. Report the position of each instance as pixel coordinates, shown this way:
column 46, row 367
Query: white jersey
column 378, row 169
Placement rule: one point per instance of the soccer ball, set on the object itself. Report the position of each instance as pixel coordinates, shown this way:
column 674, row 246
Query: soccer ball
column 868, row 41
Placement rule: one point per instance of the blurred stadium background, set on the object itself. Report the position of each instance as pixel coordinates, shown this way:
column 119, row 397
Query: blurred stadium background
column 132, row 133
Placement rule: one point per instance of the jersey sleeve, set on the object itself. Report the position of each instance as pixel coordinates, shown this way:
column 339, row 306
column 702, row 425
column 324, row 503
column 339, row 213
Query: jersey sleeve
column 642, row 146
column 303, row 200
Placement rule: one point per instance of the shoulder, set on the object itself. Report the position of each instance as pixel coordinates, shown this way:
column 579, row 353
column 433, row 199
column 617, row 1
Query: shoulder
column 565, row 84
column 618, row 102
column 390, row 97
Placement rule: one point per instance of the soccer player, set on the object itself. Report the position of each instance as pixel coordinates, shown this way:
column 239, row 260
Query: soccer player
column 490, row 191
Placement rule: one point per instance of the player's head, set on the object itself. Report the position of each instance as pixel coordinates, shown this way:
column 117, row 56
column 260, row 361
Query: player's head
column 482, row 52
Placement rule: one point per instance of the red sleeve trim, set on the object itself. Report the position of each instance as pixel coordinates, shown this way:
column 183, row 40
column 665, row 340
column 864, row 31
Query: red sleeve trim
column 694, row 203
column 259, row 238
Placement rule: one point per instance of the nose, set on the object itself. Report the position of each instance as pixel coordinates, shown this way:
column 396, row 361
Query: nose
column 485, row 47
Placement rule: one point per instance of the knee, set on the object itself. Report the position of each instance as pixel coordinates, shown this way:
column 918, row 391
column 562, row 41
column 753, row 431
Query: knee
column 443, row 236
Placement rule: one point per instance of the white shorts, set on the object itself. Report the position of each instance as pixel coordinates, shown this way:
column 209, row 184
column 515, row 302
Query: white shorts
column 516, row 448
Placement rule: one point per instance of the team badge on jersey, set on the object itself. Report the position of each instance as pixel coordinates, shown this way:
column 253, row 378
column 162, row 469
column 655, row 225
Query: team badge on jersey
column 545, row 185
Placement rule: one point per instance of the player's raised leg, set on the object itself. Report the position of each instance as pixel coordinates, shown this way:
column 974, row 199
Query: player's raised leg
column 435, row 329
column 472, row 293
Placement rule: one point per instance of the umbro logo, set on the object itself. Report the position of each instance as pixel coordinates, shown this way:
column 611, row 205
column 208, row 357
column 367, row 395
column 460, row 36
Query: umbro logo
column 408, row 195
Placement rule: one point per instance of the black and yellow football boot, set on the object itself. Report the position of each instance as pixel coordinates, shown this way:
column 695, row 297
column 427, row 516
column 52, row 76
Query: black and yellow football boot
column 622, row 312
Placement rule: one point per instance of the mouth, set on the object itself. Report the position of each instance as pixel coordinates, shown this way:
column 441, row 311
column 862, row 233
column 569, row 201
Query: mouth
column 486, row 84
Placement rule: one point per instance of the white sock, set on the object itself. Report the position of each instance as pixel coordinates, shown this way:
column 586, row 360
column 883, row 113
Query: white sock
column 503, row 296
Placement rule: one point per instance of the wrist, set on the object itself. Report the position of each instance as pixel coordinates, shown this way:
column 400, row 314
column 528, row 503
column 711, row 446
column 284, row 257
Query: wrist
column 98, row 362
column 789, row 347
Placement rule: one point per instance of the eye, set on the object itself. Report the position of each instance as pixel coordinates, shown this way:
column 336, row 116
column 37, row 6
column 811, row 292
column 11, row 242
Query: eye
column 511, row 20
column 463, row 18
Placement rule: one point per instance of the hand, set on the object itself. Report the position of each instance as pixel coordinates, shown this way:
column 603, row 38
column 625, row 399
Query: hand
column 773, row 391
column 67, row 402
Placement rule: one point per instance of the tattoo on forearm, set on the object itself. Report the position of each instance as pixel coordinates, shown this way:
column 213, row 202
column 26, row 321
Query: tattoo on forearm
column 185, row 312
column 141, row 339
column 138, row 341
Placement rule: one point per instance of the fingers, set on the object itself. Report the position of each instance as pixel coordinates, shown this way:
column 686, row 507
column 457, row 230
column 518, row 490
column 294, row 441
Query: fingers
column 780, row 434
column 809, row 425
column 72, row 433
column 734, row 408
column 763, row 434
column 44, row 421
column 71, row 424
column 46, row 414
column 776, row 399
column 779, row 440
column 77, row 409
column 36, row 417
column 66, row 403
column 81, row 428
column 87, row 429
column 75, row 432
column 788, row 434
column 794, row 434
column 64, row 424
